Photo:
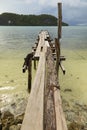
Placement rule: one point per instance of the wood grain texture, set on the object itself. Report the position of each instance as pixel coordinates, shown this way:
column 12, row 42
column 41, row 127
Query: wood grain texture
column 44, row 109
column 33, row 119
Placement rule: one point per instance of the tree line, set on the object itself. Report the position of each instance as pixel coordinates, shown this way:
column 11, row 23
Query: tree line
column 12, row 19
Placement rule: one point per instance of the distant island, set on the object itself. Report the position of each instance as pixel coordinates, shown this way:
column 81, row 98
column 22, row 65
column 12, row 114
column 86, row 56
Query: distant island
column 11, row 19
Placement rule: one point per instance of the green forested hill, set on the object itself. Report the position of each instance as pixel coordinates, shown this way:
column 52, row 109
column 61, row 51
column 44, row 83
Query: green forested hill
column 28, row 20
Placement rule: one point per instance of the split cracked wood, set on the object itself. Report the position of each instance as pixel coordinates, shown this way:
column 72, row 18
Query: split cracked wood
column 44, row 109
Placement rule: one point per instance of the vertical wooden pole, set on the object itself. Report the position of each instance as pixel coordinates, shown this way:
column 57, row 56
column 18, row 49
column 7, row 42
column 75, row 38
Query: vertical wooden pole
column 57, row 46
column 35, row 64
column 29, row 74
column 57, row 41
column 59, row 20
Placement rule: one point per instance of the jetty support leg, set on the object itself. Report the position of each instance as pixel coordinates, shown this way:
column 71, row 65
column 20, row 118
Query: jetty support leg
column 57, row 46
column 29, row 74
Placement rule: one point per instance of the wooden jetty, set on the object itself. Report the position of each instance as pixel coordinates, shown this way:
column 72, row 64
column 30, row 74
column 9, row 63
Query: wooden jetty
column 44, row 108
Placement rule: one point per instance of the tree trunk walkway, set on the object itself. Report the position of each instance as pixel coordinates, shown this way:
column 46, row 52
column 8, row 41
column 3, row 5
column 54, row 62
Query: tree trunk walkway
column 44, row 108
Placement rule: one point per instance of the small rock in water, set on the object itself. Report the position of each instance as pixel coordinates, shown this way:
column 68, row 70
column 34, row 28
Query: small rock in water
column 6, row 75
column 75, row 126
column 10, row 122
column 13, row 105
column 7, row 114
column 19, row 119
column 12, row 81
column 80, row 104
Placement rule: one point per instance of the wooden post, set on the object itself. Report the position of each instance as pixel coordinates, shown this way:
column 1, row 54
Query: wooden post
column 62, row 68
column 35, row 64
column 57, row 43
column 29, row 74
column 57, row 46
column 59, row 20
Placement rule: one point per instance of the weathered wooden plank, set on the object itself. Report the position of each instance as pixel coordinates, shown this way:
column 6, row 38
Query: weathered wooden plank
column 40, row 44
column 33, row 119
column 53, row 97
column 49, row 106
column 42, row 36
column 49, row 112
column 60, row 118
column 51, row 68
column 44, row 109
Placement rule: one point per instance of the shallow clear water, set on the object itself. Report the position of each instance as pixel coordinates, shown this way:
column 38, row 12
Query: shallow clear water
column 16, row 43
column 14, row 39
column 19, row 38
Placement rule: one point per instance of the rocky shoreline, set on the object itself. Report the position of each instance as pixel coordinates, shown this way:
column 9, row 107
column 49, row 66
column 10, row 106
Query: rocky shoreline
column 10, row 122
column 11, row 117
column 76, row 115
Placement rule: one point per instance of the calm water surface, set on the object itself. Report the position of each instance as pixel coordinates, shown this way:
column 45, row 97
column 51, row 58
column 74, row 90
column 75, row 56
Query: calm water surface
column 16, row 43
column 14, row 39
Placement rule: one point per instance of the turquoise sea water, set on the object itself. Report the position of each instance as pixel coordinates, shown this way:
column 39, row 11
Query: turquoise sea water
column 17, row 42
column 20, row 39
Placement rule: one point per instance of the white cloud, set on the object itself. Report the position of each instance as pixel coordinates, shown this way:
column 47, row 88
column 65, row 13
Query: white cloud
column 75, row 3
column 30, row 1
column 52, row 3
column 74, row 11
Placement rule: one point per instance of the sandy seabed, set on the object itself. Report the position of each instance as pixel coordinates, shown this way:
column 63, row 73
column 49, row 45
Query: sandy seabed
column 13, row 81
column 13, row 86
column 75, row 78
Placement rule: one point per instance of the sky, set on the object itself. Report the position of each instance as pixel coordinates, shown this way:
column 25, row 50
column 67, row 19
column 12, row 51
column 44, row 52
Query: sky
column 74, row 12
